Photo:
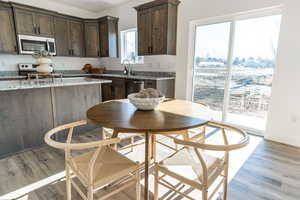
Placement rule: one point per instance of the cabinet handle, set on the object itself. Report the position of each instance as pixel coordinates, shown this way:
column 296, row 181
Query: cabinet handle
column 151, row 50
column 39, row 30
column 99, row 53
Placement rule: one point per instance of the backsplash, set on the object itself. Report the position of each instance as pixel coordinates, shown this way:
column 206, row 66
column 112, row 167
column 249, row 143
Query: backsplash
column 160, row 63
column 10, row 62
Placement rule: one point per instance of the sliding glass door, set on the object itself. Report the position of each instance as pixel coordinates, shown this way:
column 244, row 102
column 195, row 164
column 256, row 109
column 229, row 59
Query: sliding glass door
column 210, row 65
column 233, row 69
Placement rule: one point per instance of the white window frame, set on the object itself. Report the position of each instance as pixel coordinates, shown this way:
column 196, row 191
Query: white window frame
column 277, row 10
column 123, row 47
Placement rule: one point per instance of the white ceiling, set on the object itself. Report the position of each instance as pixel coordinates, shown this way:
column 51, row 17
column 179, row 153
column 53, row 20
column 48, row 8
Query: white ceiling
column 92, row 5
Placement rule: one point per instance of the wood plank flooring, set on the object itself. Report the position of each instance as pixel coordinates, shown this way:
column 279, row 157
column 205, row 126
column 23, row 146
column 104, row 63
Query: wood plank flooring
column 272, row 172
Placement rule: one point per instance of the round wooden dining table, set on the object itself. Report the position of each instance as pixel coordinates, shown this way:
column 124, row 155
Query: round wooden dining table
column 172, row 115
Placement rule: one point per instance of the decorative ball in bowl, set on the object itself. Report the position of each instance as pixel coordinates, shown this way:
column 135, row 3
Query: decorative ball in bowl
column 146, row 99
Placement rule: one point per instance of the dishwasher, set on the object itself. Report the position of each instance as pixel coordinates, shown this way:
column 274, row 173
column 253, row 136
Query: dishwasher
column 134, row 86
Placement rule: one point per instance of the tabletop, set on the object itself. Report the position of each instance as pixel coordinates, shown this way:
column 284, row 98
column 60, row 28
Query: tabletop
column 171, row 115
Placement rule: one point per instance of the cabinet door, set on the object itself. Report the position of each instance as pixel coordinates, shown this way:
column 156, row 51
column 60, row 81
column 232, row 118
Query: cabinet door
column 44, row 24
column 106, row 90
column 76, row 38
column 7, row 37
column 118, row 88
column 144, row 32
column 62, row 36
column 25, row 22
column 104, row 48
column 159, row 30
column 92, row 39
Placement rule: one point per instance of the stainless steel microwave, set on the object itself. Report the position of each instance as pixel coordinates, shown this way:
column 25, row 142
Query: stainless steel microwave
column 30, row 44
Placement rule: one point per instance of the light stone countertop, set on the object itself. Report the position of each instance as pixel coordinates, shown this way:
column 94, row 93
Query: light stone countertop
column 137, row 77
column 46, row 83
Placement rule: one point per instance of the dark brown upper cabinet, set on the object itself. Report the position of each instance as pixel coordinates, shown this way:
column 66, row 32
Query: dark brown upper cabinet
column 7, row 36
column 108, row 29
column 76, row 42
column 69, row 37
column 61, row 29
column 33, row 21
column 157, row 27
column 91, row 32
column 45, row 24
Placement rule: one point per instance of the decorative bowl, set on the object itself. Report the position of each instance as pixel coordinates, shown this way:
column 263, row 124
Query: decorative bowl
column 145, row 103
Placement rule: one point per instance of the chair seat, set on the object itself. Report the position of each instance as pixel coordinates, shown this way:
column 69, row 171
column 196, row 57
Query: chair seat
column 110, row 166
column 122, row 136
column 186, row 164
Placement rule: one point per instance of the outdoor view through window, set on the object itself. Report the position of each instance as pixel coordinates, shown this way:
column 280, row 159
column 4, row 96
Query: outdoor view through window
column 241, row 97
column 129, row 47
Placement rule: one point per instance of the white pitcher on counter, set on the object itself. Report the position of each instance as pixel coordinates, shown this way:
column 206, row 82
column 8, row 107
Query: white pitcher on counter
column 43, row 59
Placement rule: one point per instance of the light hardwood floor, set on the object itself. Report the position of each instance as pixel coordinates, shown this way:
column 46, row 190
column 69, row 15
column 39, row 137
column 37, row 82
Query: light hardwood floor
column 272, row 172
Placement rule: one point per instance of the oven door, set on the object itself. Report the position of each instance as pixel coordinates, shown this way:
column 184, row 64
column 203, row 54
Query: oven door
column 31, row 44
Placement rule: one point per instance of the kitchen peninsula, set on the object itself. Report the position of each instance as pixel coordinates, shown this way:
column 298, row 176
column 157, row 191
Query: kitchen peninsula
column 31, row 108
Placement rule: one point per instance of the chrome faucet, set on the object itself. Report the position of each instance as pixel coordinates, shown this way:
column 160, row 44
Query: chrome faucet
column 127, row 67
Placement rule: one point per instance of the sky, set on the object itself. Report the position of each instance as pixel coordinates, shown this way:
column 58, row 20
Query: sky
column 257, row 37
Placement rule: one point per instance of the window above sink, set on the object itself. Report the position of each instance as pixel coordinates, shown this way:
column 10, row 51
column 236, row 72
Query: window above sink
column 129, row 47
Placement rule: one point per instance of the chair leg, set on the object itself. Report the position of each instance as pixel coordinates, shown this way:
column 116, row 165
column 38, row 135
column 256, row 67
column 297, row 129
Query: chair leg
column 132, row 142
column 156, row 174
column 68, row 183
column 204, row 194
column 138, row 185
column 225, row 184
column 153, row 147
column 90, row 193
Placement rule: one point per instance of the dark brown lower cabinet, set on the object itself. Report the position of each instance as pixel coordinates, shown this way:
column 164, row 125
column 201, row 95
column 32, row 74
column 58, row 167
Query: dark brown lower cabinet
column 26, row 115
column 166, row 87
column 114, row 90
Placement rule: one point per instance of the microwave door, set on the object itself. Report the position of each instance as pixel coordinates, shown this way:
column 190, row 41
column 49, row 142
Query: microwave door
column 32, row 46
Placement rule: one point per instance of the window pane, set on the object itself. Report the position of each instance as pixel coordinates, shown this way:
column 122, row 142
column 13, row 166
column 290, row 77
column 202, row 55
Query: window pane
column 129, row 47
column 210, row 65
column 254, row 54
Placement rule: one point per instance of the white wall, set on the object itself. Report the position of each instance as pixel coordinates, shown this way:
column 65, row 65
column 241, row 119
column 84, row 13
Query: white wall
column 128, row 20
column 284, row 116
